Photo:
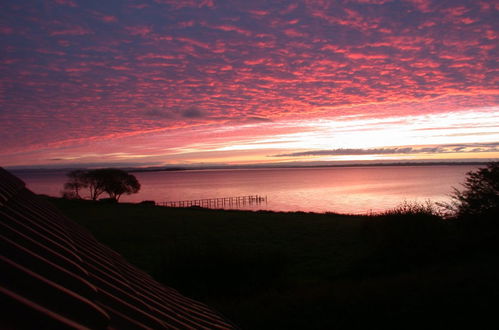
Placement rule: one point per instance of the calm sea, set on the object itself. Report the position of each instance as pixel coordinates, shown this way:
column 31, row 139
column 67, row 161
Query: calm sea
column 337, row 189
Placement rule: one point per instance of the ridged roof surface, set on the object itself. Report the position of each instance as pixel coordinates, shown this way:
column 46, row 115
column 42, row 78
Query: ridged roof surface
column 54, row 274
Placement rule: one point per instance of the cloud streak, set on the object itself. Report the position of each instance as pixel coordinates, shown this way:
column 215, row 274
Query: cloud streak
column 439, row 149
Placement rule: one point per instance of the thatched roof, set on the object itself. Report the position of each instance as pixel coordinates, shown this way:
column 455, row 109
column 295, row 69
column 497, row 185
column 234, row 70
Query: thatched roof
column 55, row 274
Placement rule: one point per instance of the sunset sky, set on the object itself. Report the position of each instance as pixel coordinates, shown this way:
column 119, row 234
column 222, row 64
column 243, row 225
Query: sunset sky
column 188, row 82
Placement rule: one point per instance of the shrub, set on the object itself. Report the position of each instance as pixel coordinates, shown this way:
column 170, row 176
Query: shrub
column 480, row 197
column 414, row 209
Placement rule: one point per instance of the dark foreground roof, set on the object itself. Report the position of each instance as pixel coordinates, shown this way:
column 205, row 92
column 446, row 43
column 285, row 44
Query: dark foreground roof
column 54, row 274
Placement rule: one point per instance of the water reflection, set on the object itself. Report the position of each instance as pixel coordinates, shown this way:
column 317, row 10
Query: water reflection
column 341, row 189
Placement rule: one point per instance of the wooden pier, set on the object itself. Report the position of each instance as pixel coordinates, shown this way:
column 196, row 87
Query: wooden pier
column 218, row 202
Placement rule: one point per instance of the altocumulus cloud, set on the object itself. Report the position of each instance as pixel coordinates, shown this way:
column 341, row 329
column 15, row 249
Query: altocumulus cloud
column 77, row 73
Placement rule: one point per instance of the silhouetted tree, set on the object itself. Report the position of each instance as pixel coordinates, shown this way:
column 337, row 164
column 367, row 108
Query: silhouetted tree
column 115, row 182
column 95, row 181
column 480, row 196
column 77, row 181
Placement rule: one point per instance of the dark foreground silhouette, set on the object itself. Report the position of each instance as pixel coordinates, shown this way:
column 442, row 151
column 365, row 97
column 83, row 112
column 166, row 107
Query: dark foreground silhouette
column 55, row 275
column 408, row 267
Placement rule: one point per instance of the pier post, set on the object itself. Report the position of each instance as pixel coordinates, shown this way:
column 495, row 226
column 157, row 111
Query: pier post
column 232, row 201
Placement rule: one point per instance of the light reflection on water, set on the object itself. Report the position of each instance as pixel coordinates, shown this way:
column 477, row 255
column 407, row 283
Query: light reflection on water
column 337, row 189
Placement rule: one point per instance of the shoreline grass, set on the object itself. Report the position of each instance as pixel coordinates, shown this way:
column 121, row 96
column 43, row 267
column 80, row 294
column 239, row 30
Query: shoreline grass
column 274, row 270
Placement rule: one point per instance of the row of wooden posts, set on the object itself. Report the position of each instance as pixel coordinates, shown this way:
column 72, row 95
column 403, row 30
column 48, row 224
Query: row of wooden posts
column 218, row 202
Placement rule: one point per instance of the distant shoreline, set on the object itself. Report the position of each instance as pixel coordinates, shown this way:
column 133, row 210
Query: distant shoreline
column 249, row 167
column 262, row 166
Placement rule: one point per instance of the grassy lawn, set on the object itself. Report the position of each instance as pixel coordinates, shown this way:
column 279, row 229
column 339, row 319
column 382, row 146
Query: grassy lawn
column 302, row 270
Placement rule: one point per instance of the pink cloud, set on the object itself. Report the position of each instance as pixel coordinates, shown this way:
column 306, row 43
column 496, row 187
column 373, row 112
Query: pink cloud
column 255, row 62
column 360, row 56
column 72, row 31
column 139, row 6
column 141, row 30
column 291, row 7
column 259, row 12
column 188, row 3
column 232, row 28
column 455, row 11
column 295, row 33
column 187, row 23
column 109, row 19
column 50, row 52
column 6, row 30
column 69, row 3
column 374, row 2
column 194, row 42
column 120, row 68
column 158, row 56
column 422, row 5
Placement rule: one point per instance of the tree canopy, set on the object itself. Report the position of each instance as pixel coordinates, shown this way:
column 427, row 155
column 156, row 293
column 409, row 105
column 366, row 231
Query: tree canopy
column 114, row 182
column 480, row 196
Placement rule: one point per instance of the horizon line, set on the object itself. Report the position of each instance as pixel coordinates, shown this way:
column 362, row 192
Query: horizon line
column 183, row 167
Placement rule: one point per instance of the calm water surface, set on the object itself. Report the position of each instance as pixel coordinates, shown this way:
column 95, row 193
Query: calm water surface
column 339, row 189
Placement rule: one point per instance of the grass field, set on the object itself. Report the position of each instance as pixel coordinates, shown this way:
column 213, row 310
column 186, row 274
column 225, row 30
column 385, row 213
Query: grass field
column 267, row 270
